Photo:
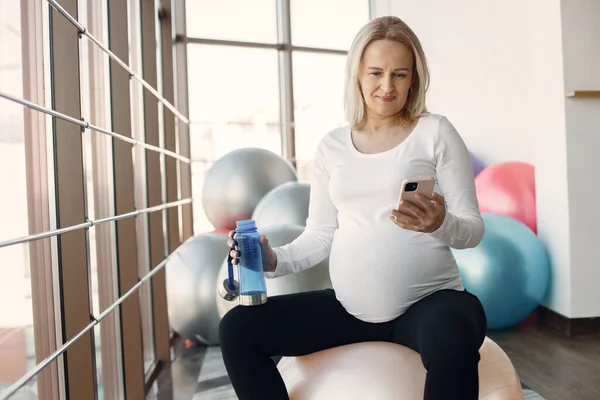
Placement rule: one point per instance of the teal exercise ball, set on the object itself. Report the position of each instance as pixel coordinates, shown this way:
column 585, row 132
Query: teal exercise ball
column 509, row 271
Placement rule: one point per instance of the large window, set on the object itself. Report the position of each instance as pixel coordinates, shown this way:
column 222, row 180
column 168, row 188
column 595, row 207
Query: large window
column 95, row 175
column 263, row 72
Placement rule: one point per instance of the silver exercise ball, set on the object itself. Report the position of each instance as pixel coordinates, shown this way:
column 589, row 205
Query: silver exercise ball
column 191, row 276
column 287, row 204
column 236, row 182
column 314, row 278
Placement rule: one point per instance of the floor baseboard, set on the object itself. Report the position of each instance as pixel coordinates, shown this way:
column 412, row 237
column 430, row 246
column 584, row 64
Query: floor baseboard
column 568, row 326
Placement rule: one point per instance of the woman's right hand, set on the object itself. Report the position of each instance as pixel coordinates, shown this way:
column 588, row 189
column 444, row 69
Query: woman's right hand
column 269, row 256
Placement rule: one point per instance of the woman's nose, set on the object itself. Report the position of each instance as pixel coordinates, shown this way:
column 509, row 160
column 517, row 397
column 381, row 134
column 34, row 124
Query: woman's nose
column 386, row 84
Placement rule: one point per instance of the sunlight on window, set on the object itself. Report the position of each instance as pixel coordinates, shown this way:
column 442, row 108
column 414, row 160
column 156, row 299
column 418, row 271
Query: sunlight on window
column 240, row 20
column 17, row 352
column 233, row 84
column 330, row 24
column 318, row 98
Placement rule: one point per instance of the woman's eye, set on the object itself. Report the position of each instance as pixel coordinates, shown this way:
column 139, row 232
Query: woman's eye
column 400, row 76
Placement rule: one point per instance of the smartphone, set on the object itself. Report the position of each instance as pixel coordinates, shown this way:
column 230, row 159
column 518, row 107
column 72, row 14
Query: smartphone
column 410, row 187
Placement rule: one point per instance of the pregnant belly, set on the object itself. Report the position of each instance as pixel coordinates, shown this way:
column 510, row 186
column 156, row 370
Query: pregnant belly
column 377, row 281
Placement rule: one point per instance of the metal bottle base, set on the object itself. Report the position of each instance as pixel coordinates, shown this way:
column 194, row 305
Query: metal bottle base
column 226, row 292
column 252, row 299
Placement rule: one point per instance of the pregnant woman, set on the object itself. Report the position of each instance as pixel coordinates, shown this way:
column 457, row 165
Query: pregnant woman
column 393, row 273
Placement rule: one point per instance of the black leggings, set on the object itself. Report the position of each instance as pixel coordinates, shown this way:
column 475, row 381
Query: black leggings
column 446, row 328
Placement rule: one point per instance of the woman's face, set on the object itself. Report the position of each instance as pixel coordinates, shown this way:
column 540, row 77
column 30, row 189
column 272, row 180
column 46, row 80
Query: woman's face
column 385, row 76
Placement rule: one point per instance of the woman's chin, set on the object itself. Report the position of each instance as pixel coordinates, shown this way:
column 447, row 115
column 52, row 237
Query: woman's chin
column 384, row 112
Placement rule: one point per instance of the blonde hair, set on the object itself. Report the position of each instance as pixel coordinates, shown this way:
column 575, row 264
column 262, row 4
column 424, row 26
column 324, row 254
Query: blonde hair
column 389, row 28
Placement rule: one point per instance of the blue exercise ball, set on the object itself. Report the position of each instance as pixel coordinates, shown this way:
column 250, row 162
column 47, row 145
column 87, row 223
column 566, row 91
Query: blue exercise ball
column 509, row 271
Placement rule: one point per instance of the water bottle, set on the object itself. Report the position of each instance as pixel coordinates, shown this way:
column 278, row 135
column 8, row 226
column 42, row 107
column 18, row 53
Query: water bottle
column 252, row 288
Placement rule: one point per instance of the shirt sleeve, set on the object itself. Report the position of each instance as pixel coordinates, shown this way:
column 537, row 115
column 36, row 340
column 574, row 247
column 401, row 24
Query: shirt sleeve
column 463, row 227
column 314, row 243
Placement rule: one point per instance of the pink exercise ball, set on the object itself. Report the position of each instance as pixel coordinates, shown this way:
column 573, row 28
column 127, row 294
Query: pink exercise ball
column 508, row 188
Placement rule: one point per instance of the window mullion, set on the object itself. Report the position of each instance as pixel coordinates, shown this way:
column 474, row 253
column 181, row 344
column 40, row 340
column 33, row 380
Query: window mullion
column 286, row 90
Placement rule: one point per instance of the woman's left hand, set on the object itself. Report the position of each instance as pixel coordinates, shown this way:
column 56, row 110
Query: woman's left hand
column 426, row 215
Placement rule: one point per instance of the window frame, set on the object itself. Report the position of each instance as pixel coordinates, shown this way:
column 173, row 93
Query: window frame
column 60, row 281
column 41, row 196
column 285, row 50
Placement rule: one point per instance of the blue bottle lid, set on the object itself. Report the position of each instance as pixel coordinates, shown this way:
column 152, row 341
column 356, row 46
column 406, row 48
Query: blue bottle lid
column 246, row 225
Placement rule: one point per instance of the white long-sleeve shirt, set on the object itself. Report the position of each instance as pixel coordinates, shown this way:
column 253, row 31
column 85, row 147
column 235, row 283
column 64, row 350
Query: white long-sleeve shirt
column 377, row 268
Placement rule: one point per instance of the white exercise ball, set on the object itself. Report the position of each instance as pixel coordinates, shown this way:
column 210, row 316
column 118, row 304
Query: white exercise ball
column 287, row 204
column 236, row 182
column 191, row 276
column 314, row 278
column 386, row 371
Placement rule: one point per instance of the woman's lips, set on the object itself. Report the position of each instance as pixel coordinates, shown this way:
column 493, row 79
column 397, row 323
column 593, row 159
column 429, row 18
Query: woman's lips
column 386, row 99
